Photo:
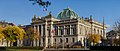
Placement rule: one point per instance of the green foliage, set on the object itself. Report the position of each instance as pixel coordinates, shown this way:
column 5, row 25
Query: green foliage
column 12, row 33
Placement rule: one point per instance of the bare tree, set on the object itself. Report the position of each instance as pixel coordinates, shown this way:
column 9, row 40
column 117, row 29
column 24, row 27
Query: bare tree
column 116, row 27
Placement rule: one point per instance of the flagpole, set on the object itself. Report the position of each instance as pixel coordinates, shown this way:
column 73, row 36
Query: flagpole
column 103, row 29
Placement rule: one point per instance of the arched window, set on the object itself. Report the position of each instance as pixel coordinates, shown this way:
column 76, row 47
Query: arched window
column 98, row 31
column 94, row 31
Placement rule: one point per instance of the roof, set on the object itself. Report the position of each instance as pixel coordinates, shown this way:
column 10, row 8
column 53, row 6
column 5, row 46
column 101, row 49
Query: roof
column 67, row 13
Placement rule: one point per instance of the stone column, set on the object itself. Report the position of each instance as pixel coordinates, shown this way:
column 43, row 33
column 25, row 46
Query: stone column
column 77, row 28
column 41, row 42
column 51, row 34
column 46, row 33
column 21, row 43
column 64, row 30
column 41, row 35
column 38, row 35
column 58, row 31
column 70, row 30
column 18, row 43
column 34, row 42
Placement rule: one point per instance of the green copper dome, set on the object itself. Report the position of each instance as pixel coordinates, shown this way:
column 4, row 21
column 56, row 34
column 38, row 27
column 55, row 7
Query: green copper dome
column 67, row 14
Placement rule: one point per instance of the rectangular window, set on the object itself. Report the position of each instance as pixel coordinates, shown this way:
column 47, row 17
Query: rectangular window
column 55, row 39
column 40, row 29
column 49, row 32
column 66, row 40
column 60, row 40
column 73, row 40
column 56, row 30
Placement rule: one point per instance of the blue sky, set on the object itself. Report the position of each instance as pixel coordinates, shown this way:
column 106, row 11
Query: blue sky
column 22, row 11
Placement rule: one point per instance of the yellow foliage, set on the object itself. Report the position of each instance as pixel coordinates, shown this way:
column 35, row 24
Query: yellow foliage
column 1, row 34
column 12, row 33
column 95, row 38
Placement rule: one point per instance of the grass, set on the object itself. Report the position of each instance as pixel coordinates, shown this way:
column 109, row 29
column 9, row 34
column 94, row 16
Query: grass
column 20, row 48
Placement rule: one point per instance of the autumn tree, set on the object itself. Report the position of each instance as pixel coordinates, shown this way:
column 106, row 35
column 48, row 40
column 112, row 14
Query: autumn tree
column 95, row 38
column 1, row 34
column 32, row 35
column 12, row 33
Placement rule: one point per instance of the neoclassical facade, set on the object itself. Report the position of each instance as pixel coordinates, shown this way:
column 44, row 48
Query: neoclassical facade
column 67, row 27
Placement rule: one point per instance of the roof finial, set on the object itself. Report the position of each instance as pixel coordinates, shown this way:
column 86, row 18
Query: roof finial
column 34, row 16
column 50, row 12
column 90, row 17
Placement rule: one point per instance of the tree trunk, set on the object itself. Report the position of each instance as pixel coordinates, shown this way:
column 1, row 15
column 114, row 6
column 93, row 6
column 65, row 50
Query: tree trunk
column 31, row 43
column 7, row 43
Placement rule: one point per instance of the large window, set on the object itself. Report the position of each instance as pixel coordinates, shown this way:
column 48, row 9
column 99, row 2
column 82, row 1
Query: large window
column 61, row 30
column 60, row 40
column 66, row 40
column 49, row 32
column 98, row 31
column 56, row 30
column 73, row 40
column 94, row 31
column 68, row 29
column 40, row 29
column 36, row 27
column 55, row 39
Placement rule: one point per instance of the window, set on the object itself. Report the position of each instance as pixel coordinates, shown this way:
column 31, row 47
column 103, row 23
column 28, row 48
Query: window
column 94, row 31
column 98, row 31
column 55, row 39
column 49, row 32
column 66, row 40
column 68, row 30
column 36, row 27
column 61, row 30
column 74, row 30
column 101, row 32
column 40, row 29
column 56, row 30
column 60, row 40
column 73, row 40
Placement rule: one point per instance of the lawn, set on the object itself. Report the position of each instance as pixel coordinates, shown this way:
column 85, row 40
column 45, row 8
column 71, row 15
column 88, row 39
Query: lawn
column 21, row 50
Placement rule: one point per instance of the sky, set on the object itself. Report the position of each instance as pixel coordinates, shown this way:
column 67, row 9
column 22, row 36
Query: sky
column 22, row 11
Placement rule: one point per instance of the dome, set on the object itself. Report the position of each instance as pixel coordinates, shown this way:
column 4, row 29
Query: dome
column 67, row 14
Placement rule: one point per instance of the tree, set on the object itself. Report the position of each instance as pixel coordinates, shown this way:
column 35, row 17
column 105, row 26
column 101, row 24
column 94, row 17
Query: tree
column 42, row 3
column 116, row 27
column 95, row 38
column 1, row 34
column 32, row 34
column 12, row 33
